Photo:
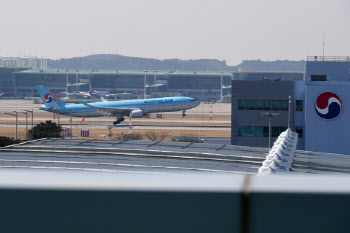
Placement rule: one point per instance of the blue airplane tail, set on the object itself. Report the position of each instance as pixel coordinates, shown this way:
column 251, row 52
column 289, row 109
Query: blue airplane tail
column 48, row 97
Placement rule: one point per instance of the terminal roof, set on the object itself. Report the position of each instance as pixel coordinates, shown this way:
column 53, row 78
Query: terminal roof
column 155, row 157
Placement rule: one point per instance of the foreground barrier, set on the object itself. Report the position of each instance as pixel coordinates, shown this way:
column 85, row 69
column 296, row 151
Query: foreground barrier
column 281, row 155
column 71, row 201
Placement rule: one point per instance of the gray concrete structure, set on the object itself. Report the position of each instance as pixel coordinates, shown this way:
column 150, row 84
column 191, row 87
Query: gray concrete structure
column 258, row 90
column 145, row 157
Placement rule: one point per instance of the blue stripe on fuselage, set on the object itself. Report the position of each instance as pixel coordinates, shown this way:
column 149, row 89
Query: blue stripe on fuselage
column 144, row 102
column 139, row 103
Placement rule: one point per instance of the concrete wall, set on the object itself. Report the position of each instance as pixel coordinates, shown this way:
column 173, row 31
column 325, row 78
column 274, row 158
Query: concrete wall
column 258, row 90
column 327, row 135
column 299, row 116
column 335, row 71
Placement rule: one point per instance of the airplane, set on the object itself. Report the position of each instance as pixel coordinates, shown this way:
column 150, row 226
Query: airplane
column 134, row 108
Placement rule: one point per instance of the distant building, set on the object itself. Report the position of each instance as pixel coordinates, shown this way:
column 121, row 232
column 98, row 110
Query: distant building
column 319, row 110
column 205, row 86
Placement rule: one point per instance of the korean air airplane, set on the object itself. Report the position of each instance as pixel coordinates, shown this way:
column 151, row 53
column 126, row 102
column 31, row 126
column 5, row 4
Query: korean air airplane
column 134, row 108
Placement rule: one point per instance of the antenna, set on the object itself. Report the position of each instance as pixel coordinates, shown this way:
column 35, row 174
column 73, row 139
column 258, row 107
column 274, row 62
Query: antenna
column 324, row 43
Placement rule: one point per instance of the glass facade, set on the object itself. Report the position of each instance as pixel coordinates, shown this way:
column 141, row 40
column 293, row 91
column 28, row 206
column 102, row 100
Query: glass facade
column 6, row 80
column 202, row 85
column 286, row 76
column 299, row 130
column 299, row 105
column 276, row 105
column 205, row 86
column 260, row 131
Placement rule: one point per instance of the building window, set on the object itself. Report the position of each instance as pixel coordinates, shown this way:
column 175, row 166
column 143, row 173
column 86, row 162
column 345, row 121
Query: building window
column 260, row 131
column 267, row 104
column 299, row 130
column 299, row 105
column 241, row 104
column 318, row 77
column 276, row 105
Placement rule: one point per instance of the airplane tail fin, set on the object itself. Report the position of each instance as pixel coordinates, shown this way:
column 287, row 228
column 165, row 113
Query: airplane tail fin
column 48, row 97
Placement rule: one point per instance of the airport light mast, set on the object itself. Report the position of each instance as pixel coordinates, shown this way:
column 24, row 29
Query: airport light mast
column 270, row 115
column 289, row 110
column 155, row 83
column 221, row 87
column 26, row 113
column 144, row 85
column 16, row 115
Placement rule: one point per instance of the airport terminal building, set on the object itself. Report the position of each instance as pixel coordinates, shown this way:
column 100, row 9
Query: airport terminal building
column 129, row 84
column 206, row 86
column 319, row 107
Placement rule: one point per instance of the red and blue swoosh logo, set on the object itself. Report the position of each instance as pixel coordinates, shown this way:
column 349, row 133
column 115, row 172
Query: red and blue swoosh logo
column 48, row 98
column 328, row 105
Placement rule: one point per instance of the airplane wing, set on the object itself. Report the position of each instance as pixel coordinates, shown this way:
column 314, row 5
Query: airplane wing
column 114, row 111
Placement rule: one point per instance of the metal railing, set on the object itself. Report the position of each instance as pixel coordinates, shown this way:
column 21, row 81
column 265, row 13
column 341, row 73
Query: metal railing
column 329, row 58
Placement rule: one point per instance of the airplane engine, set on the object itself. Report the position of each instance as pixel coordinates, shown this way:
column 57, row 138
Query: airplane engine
column 137, row 114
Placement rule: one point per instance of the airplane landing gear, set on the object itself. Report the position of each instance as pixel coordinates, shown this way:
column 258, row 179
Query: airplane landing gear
column 118, row 121
column 183, row 113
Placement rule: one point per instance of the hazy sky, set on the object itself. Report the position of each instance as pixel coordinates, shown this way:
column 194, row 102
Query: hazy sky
column 231, row 30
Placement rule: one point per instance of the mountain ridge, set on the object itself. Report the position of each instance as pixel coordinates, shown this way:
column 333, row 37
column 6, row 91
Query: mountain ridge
column 121, row 62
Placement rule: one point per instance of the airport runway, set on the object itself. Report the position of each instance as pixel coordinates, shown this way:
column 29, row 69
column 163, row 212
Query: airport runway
column 111, row 119
column 135, row 126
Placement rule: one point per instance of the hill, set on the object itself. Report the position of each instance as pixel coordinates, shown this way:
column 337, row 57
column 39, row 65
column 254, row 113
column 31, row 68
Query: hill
column 120, row 62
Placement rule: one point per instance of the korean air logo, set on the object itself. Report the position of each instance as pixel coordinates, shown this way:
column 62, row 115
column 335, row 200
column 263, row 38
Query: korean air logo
column 48, row 98
column 328, row 105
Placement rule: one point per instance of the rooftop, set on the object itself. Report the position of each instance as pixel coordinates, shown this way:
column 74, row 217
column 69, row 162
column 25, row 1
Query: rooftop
column 329, row 58
column 157, row 157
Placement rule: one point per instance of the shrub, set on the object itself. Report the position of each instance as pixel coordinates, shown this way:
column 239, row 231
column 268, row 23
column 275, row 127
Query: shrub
column 156, row 135
column 5, row 141
column 48, row 129
column 129, row 136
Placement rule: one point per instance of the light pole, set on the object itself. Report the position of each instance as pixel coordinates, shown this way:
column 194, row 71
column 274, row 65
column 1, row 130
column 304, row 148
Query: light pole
column 70, row 133
column 289, row 110
column 16, row 120
column 221, row 87
column 270, row 115
column 26, row 112
column 144, row 85
column 32, row 112
column 67, row 82
column 155, row 83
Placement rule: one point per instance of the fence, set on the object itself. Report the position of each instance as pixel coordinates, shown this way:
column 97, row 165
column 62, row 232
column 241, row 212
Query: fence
column 329, row 58
column 65, row 132
column 84, row 133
